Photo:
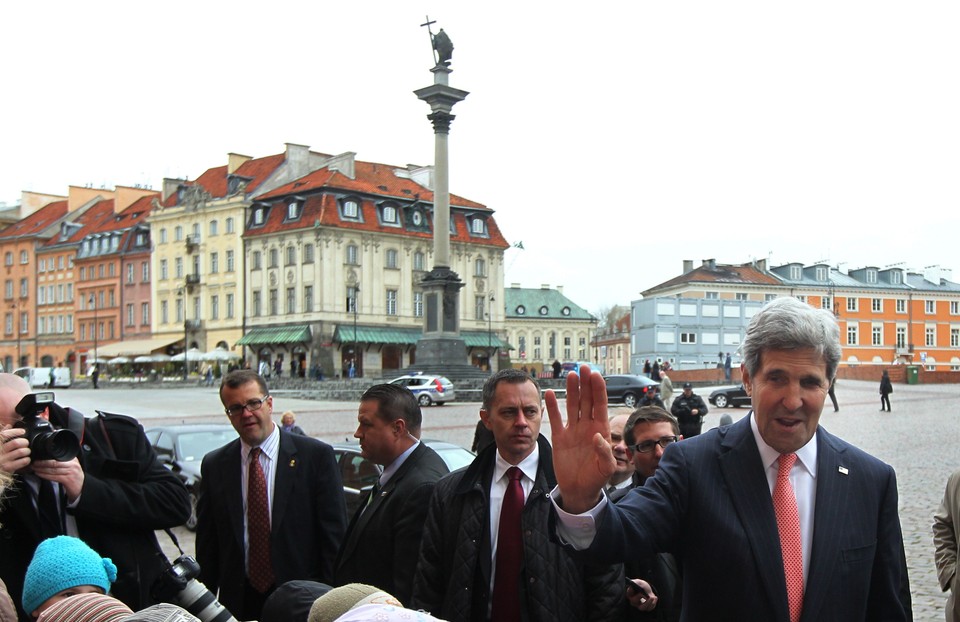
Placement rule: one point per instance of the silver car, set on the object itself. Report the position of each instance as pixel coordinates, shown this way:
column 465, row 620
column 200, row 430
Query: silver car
column 428, row 389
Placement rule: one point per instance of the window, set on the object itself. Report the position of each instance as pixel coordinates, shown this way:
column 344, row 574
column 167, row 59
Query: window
column 230, row 262
column 877, row 335
column 769, row 297
column 418, row 304
column 258, row 216
column 896, row 277
column 352, row 254
column 178, row 234
column 480, row 267
column 476, row 225
column 274, row 302
column 308, row 253
column 163, row 236
column 901, row 337
column 293, row 210
column 954, row 337
column 129, row 273
column 163, row 269
column 229, row 225
column 929, row 307
column 214, row 307
column 274, row 258
column 256, row 304
column 291, row 256
column 24, row 288
column 954, row 307
column 711, row 295
column 41, row 295
column 144, row 313
column 479, row 307
column 352, row 294
column 391, row 302
column 796, row 273
column 229, row 306
column 690, row 338
column 8, row 289
column 100, row 271
column 825, row 303
column 8, row 261
column 129, row 314
column 291, row 300
column 178, row 267
column 852, row 335
column 871, row 276
column 214, row 263
column 164, row 311
column 112, row 269
column 144, row 271
column 392, row 258
column 196, row 230
column 83, row 274
column 821, row 273
column 852, row 304
column 213, row 227
column 901, row 305
column 351, row 209
column 257, row 260
column 930, row 336
column 308, row 298
column 741, row 296
column 24, row 258
column 802, row 298
column 180, row 314
column 419, row 261
column 389, row 214
column 876, row 305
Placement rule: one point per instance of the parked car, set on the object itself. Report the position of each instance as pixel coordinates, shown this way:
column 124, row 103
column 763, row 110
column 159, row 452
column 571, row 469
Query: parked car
column 428, row 389
column 730, row 396
column 359, row 474
column 628, row 388
column 181, row 449
column 40, row 376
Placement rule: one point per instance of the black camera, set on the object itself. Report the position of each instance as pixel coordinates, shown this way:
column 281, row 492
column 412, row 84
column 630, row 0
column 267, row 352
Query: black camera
column 46, row 442
column 178, row 584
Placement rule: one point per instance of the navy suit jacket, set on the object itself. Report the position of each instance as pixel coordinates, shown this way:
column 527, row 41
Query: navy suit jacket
column 307, row 521
column 710, row 504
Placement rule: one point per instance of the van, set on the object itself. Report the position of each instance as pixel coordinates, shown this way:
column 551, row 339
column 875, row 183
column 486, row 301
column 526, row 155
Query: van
column 40, row 376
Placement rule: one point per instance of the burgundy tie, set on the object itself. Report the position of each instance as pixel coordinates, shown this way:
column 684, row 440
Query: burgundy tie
column 260, row 569
column 506, row 581
column 788, row 524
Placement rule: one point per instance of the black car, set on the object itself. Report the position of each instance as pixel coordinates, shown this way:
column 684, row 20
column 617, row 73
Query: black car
column 181, row 449
column 730, row 396
column 628, row 388
column 359, row 474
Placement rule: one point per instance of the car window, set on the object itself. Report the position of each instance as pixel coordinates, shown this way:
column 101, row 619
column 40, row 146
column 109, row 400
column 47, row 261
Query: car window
column 418, row 382
column 614, row 382
column 455, row 457
column 195, row 445
column 357, row 472
column 165, row 444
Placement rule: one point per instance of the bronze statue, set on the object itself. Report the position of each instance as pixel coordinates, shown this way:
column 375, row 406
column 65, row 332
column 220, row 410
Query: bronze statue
column 443, row 47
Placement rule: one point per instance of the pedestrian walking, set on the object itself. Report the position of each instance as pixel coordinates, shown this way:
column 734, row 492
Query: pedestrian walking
column 886, row 388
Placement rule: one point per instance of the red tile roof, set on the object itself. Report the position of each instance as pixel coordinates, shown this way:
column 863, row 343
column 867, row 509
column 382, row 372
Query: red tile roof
column 36, row 222
column 214, row 180
column 746, row 274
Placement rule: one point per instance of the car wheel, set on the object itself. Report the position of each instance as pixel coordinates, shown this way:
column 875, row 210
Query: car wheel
column 721, row 401
column 629, row 400
column 191, row 523
column 424, row 399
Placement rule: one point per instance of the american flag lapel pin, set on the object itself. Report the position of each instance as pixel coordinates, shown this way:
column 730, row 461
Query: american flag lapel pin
column 843, row 470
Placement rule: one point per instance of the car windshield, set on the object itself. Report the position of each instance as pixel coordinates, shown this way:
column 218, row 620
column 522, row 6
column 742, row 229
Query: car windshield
column 455, row 457
column 195, row 445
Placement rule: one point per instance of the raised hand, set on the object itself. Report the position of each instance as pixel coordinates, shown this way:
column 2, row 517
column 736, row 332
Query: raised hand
column 582, row 453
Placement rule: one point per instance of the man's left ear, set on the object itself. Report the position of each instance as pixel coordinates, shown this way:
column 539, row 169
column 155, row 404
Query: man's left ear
column 745, row 378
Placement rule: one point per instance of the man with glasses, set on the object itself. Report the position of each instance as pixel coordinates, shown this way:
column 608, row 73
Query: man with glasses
column 657, row 596
column 271, row 509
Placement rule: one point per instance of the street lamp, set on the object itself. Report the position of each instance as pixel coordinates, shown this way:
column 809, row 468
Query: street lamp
column 490, row 333
column 93, row 303
column 356, row 349
column 183, row 306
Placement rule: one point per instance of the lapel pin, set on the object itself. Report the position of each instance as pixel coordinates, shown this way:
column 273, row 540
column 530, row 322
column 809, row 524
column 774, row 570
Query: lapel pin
column 843, row 470
column 293, row 462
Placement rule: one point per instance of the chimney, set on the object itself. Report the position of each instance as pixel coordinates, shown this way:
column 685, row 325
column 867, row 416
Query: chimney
column 169, row 187
column 514, row 286
column 932, row 274
column 297, row 159
column 544, row 286
column 343, row 164
column 235, row 161
column 709, row 264
column 762, row 264
column 560, row 288
column 687, row 266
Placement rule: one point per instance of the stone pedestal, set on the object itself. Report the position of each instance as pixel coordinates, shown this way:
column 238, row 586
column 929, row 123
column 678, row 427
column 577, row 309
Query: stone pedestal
column 441, row 343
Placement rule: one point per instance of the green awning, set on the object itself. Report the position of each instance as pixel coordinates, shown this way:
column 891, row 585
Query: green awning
column 409, row 336
column 266, row 335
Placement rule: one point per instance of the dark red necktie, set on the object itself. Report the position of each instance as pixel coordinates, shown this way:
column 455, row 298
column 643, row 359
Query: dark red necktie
column 260, row 568
column 506, row 581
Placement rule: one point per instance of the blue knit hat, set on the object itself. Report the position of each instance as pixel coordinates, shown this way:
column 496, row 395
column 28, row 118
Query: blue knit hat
column 61, row 563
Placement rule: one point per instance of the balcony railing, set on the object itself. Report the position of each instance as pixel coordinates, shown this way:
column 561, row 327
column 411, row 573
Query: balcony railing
column 193, row 279
column 193, row 241
column 192, row 324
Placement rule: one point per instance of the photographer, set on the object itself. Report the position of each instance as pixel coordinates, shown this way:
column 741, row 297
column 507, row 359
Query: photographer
column 112, row 495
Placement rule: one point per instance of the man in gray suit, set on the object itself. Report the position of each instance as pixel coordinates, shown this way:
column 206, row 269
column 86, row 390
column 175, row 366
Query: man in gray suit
column 772, row 518
column 383, row 540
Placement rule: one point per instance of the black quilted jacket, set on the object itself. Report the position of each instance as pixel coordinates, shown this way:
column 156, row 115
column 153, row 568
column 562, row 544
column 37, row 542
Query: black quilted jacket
column 453, row 573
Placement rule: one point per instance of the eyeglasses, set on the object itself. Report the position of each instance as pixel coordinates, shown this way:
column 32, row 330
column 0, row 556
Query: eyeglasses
column 253, row 406
column 647, row 446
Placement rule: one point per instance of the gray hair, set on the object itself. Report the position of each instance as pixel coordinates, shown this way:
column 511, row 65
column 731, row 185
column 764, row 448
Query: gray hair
column 787, row 324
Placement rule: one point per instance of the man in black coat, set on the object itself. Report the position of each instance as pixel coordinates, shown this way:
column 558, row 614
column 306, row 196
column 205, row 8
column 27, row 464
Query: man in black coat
column 383, row 539
column 113, row 496
column 689, row 410
column 457, row 573
column 307, row 513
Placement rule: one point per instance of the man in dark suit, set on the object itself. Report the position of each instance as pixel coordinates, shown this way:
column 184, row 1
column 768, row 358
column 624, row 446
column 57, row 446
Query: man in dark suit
column 113, row 496
column 383, row 539
column 288, row 481
column 772, row 518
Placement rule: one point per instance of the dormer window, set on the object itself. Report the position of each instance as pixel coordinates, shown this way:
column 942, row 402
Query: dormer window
column 477, row 226
column 895, row 277
column 565, row 311
column 416, row 218
column 389, row 215
column 795, row 273
column 141, row 239
column 821, row 273
column 293, row 210
column 871, row 276
column 544, row 310
column 259, row 216
column 351, row 208
column 521, row 310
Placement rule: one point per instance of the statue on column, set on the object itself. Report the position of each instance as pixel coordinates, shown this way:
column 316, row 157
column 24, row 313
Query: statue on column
column 443, row 46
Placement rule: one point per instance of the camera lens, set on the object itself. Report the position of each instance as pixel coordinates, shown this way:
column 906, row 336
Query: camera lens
column 62, row 445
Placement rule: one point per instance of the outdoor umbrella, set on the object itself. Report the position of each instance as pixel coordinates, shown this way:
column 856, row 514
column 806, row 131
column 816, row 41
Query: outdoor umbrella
column 220, row 354
column 193, row 355
column 120, row 360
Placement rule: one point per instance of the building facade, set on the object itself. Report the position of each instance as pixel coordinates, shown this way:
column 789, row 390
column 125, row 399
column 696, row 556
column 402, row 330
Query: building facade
column 543, row 326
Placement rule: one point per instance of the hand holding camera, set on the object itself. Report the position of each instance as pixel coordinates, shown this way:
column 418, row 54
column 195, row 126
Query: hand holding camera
column 16, row 450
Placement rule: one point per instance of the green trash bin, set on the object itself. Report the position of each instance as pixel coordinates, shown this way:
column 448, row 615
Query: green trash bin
column 913, row 374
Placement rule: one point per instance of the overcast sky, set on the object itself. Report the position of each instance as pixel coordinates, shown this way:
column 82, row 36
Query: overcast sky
column 614, row 141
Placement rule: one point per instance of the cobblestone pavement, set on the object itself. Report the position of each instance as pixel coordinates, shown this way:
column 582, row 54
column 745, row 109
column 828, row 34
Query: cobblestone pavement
column 920, row 441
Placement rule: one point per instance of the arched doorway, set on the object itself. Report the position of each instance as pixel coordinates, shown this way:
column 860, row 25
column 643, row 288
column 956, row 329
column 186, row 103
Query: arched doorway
column 351, row 357
column 46, row 361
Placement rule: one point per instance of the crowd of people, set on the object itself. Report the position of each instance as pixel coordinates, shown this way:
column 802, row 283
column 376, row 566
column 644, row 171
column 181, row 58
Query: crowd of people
column 635, row 517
